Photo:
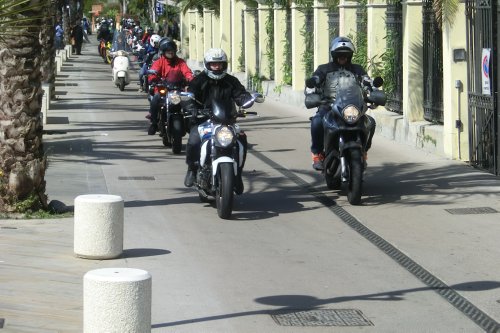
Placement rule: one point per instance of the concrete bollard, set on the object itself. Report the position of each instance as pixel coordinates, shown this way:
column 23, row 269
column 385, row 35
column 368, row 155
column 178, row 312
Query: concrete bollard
column 98, row 230
column 117, row 300
column 58, row 64
column 45, row 102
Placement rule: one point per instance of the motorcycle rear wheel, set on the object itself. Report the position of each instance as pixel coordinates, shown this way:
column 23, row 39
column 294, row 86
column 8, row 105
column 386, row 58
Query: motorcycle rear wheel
column 224, row 194
column 177, row 136
column 355, row 182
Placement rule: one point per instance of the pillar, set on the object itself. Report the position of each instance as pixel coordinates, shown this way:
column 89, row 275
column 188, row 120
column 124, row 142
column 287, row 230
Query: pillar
column 455, row 106
column 321, row 34
column 237, row 55
column 413, row 80
column 298, row 46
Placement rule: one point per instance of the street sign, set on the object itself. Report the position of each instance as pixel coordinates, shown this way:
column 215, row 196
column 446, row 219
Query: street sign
column 159, row 9
column 485, row 71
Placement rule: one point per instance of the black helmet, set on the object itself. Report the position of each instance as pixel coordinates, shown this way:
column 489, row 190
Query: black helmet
column 166, row 44
column 342, row 45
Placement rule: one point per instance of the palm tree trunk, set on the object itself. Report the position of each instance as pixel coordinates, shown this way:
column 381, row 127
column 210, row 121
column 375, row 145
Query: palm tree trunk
column 22, row 160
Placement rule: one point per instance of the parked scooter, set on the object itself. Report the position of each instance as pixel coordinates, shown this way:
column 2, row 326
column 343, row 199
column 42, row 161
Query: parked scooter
column 120, row 71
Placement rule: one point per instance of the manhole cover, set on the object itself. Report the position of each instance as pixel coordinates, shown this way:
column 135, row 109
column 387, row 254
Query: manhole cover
column 476, row 210
column 137, row 178
column 323, row 317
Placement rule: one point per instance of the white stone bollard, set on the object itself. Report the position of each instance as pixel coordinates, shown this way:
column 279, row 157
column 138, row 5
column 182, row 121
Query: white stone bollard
column 45, row 102
column 117, row 300
column 98, row 226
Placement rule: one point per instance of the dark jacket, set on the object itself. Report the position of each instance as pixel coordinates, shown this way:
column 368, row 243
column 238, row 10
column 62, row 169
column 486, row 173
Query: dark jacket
column 324, row 69
column 206, row 89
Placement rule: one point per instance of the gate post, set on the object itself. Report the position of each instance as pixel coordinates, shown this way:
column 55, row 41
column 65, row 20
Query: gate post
column 412, row 62
column 455, row 103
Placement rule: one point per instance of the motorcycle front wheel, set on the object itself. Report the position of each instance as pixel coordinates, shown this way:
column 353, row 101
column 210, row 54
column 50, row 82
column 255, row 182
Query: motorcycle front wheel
column 355, row 182
column 121, row 83
column 224, row 194
column 177, row 136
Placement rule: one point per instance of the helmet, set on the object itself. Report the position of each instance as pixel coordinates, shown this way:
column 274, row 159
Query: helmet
column 342, row 45
column 166, row 44
column 215, row 55
column 155, row 40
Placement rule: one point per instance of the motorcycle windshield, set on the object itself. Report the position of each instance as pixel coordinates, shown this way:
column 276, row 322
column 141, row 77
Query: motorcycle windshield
column 223, row 111
column 349, row 92
column 120, row 41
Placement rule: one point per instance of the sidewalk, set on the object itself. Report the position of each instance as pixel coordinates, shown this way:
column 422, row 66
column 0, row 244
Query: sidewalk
column 41, row 279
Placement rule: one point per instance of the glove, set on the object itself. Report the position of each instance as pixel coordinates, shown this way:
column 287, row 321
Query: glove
column 312, row 82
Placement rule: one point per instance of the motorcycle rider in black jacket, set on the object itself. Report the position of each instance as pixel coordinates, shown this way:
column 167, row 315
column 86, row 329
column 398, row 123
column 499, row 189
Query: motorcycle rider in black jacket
column 212, row 83
column 341, row 50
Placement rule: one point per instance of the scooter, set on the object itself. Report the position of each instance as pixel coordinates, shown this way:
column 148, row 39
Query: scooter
column 120, row 65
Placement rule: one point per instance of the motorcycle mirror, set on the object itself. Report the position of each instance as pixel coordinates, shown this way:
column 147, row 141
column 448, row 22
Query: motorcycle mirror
column 258, row 98
column 378, row 82
column 377, row 97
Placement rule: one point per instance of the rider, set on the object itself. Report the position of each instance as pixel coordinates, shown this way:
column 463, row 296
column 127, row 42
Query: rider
column 341, row 50
column 213, row 82
column 172, row 69
column 151, row 49
column 105, row 33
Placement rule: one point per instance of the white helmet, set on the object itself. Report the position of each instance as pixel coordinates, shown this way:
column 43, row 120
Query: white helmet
column 155, row 40
column 215, row 55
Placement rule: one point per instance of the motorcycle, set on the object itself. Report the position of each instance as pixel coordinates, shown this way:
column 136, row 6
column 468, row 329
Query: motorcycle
column 104, row 49
column 347, row 130
column 223, row 151
column 120, row 73
column 172, row 124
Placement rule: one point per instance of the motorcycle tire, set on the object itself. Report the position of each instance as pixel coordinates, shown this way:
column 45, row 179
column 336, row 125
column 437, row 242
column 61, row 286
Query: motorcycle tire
column 177, row 136
column 165, row 141
column 121, row 83
column 355, row 181
column 224, row 194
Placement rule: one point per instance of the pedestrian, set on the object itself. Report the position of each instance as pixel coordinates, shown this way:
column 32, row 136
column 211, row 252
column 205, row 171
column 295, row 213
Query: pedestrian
column 58, row 41
column 77, row 38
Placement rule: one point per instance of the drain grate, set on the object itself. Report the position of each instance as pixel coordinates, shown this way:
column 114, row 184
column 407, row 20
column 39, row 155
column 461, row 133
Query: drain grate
column 137, row 178
column 323, row 317
column 476, row 210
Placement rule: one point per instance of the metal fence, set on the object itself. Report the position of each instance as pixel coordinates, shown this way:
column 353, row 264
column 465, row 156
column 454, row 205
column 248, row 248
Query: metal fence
column 394, row 26
column 433, row 65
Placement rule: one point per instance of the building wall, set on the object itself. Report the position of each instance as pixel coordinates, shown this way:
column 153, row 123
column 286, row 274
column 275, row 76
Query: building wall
column 410, row 128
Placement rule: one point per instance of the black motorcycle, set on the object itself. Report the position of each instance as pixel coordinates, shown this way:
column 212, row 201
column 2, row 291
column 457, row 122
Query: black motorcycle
column 347, row 130
column 223, row 151
column 171, row 121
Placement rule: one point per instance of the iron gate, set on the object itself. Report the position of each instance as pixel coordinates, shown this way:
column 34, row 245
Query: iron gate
column 483, row 113
column 433, row 64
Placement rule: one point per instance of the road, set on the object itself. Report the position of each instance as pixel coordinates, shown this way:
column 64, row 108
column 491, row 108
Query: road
column 420, row 254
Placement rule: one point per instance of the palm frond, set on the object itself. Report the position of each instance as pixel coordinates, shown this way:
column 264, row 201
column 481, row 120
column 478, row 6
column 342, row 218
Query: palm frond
column 445, row 10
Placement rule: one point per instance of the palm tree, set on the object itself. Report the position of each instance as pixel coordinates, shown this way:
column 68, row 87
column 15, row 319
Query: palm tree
column 22, row 161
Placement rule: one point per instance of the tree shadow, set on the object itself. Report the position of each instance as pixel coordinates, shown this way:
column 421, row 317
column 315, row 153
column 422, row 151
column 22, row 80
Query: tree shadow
column 292, row 303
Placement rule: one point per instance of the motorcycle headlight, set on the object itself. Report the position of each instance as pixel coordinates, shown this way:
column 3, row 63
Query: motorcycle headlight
column 350, row 114
column 224, row 136
column 163, row 91
column 175, row 98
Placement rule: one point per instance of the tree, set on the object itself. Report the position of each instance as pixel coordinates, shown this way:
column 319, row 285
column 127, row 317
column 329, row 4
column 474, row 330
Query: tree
column 22, row 161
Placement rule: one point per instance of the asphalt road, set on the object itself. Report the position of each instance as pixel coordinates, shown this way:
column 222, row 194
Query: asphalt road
column 420, row 254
